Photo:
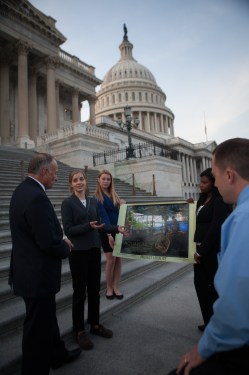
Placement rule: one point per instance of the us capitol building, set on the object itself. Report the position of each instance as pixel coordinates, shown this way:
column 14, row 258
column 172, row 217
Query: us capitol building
column 130, row 130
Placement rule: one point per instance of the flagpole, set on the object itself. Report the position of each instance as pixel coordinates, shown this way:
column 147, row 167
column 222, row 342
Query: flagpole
column 205, row 127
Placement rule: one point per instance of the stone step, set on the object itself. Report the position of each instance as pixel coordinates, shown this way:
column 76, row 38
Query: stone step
column 12, row 309
column 135, row 287
column 5, row 251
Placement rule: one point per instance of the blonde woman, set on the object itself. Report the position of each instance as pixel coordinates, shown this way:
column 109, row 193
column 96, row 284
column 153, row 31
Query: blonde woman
column 109, row 203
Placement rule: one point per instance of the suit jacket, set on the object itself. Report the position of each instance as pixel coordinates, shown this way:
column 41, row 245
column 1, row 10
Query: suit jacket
column 208, row 225
column 76, row 222
column 37, row 242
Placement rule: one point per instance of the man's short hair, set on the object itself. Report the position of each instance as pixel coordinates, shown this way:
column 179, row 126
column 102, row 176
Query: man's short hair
column 40, row 160
column 233, row 153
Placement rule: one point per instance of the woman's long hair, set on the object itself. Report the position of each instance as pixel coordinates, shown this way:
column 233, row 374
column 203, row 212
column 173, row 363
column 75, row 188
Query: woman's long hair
column 111, row 190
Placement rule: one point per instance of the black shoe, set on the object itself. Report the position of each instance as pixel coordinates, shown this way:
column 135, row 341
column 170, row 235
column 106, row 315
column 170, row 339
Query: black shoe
column 202, row 327
column 109, row 296
column 70, row 356
column 118, row 296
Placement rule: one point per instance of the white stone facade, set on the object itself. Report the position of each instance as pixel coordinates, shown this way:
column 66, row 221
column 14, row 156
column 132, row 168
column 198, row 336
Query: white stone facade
column 42, row 86
column 42, row 89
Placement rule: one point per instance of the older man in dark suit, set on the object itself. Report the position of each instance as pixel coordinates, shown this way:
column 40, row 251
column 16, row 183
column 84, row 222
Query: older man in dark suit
column 35, row 271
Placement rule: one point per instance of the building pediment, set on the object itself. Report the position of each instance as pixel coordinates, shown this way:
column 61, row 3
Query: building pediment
column 26, row 14
column 208, row 145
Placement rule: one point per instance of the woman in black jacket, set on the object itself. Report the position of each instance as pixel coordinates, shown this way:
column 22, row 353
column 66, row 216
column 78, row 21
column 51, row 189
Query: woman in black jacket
column 211, row 212
column 81, row 225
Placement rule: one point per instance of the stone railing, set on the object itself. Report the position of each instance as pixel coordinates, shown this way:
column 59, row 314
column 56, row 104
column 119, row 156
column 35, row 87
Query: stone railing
column 76, row 62
column 67, row 131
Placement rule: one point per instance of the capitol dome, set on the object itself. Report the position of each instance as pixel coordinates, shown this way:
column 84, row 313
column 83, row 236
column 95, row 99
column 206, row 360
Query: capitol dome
column 131, row 83
column 128, row 69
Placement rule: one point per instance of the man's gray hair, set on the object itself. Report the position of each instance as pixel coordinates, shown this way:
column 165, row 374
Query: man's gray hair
column 39, row 161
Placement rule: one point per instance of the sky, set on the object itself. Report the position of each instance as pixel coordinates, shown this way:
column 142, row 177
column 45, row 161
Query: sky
column 197, row 50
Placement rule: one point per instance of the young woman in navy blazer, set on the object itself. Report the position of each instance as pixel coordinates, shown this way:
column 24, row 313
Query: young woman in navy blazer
column 81, row 225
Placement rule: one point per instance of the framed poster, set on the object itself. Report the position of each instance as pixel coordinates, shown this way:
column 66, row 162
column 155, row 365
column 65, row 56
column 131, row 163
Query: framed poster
column 161, row 231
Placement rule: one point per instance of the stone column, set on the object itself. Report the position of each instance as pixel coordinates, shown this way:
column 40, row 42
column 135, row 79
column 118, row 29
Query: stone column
column 172, row 128
column 75, row 106
column 162, row 123
column 184, row 168
column 33, row 105
column 23, row 114
column 155, row 123
column 168, row 125
column 195, row 172
column 187, row 168
column 57, row 93
column 4, row 103
column 147, row 122
column 192, row 179
column 51, row 95
column 203, row 164
column 92, row 111
column 140, row 120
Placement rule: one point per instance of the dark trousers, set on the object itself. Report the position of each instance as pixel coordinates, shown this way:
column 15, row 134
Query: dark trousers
column 42, row 344
column 85, row 268
column 205, row 291
column 233, row 362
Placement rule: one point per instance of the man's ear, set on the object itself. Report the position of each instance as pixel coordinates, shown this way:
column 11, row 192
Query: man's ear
column 230, row 175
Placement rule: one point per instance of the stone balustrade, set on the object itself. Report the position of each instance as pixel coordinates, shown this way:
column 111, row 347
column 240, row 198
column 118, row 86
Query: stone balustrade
column 67, row 131
column 76, row 61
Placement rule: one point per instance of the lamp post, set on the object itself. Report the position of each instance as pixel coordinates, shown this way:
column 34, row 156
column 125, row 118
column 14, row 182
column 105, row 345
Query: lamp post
column 128, row 124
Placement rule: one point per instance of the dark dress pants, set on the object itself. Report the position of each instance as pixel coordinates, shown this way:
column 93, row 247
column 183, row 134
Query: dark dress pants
column 205, row 290
column 85, row 266
column 42, row 344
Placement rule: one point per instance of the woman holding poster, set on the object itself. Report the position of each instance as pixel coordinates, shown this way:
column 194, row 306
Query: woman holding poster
column 211, row 212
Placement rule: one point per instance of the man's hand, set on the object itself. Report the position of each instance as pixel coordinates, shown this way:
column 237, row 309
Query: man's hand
column 189, row 361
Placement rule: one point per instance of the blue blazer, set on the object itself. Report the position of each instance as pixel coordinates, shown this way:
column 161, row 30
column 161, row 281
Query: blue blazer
column 107, row 211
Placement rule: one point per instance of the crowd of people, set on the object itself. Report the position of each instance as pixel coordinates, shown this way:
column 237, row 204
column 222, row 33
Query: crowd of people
column 221, row 276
